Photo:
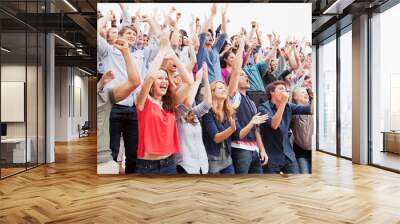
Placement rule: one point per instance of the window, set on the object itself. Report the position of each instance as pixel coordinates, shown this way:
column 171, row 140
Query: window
column 327, row 96
column 385, row 89
column 346, row 93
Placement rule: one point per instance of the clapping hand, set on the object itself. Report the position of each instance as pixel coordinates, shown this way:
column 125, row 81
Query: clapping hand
column 259, row 119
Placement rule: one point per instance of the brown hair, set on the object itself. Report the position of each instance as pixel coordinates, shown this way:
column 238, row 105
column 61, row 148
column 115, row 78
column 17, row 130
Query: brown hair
column 167, row 99
column 272, row 86
column 227, row 108
column 125, row 28
column 225, row 56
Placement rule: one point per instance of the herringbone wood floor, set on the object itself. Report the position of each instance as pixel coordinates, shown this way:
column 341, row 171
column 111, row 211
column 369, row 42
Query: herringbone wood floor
column 70, row 191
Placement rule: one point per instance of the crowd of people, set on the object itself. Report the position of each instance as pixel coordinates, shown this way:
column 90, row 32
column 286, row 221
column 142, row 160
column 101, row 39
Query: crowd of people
column 199, row 101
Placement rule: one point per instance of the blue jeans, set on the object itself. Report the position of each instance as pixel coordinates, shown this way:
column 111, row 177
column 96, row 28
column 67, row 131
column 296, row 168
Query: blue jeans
column 123, row 120
column 303, row 157
column 227, row 170
column 246, row 161
column 288, row 168
column 304, row 165
column 163, row 166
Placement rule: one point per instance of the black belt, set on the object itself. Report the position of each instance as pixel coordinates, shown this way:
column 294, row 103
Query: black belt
column 152, row 164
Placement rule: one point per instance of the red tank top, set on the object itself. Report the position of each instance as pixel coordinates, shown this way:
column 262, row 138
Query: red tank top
column 158, row 134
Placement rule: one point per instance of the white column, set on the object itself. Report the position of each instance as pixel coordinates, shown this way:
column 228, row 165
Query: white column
column 50, row 99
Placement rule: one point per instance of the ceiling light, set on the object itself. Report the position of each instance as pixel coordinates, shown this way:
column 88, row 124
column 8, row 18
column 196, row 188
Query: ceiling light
column 64, row 40
column 70, row 5
column 5, row 50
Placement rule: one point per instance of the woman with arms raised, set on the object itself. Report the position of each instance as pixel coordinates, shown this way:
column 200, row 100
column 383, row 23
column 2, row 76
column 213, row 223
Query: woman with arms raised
column 158, row 135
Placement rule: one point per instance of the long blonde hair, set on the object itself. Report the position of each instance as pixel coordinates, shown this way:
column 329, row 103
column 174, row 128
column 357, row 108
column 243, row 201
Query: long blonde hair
column 227, row 108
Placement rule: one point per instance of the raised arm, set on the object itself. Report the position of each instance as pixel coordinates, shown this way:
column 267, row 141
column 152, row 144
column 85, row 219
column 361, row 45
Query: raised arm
column 206, row 85
column 248, row 54
column 154, row 26
column 187, row 79
column 258, row 35
column 126, row 16
column 102, row 23
column 223, row 17
column 123, row 90
column 272, row 53
column 192, row 56
column 236, row 69
column 192, row 94
column 293, row 62
column 194, row 33
column 208, row 22
column 252, row 31
column 277, row 118
column 151, row 74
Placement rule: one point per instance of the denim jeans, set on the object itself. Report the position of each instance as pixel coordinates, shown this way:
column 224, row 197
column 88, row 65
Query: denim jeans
column 163, row 166
column 288, row 168
column 123, row 120
column 303, row 157
column 246, row 161
column 227, row 170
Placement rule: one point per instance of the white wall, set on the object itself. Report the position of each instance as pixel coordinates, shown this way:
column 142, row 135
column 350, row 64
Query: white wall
column 70, row 83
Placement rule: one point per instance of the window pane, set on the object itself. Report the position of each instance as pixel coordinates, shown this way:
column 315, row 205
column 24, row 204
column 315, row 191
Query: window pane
column 327, row 97
column 14, row 153
column 345, row 94
column 385, row 83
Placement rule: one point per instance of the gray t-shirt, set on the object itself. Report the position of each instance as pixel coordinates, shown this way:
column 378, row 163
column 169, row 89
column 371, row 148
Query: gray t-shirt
column 105, row 100
column 220, row 162
column 303, row 129
column 193, row 155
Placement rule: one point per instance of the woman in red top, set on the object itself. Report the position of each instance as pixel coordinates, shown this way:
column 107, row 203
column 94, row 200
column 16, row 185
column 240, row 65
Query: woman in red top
column 155, row 103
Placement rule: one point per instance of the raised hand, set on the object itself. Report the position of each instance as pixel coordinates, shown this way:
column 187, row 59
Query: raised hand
column 172, row 10
column 164, row 39
column 214, row 9
column 253, row 24
column 223, row 10
column 121, row 44
column 144, row 18
column 110, row 16
column 178, row 16
column 284, row 97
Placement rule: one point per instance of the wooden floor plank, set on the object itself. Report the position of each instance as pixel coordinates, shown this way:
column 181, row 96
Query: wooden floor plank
column 70, row 191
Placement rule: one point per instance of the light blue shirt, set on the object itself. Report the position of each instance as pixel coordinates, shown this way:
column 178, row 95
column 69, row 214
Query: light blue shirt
column 113, row 60
column 211, row 57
